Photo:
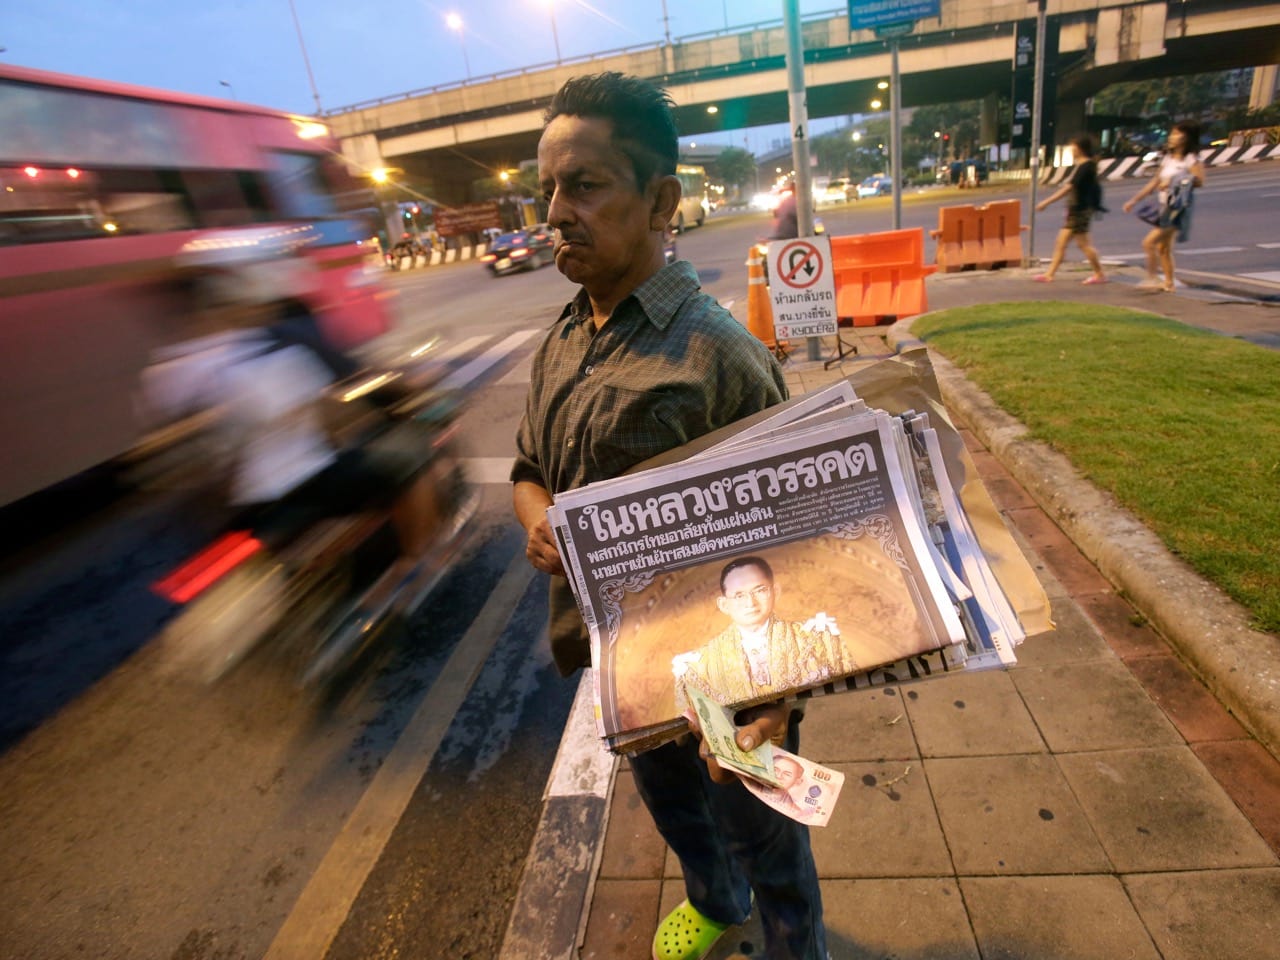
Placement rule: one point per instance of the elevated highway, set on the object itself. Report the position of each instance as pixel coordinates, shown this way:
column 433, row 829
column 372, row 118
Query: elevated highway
column 448, row 136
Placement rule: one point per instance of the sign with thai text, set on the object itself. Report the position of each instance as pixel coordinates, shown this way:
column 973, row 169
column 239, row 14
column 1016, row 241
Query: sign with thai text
column 802, row 288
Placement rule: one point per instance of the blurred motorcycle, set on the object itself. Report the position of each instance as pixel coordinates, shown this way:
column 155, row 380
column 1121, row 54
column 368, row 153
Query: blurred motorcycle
column 345, row 491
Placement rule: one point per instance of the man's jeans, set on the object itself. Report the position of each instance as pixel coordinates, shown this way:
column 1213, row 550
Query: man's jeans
column 730, row 843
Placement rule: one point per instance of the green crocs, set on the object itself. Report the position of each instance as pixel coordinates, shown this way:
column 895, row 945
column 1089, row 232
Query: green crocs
column 686, row 935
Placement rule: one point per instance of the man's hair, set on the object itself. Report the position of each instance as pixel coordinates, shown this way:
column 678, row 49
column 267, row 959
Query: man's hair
column 738, row 564
column 1084, row 143
column 640, row 113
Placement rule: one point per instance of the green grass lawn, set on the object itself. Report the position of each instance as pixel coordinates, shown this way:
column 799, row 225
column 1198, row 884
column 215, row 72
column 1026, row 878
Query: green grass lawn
column 1181, row 425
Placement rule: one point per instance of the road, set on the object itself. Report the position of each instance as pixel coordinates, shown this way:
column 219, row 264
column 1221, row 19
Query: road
column 145, row 815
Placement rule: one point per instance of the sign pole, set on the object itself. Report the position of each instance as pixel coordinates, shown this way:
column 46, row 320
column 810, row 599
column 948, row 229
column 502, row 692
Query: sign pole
column 1036, row 119
column 895, row 133
column 799, row 134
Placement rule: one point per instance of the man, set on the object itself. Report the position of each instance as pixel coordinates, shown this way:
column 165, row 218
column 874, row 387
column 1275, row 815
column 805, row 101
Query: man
column 786, row 219
column 639, row 362
column 758, row 656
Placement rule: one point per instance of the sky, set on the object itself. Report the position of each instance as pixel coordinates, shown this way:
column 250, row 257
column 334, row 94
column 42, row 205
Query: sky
column 249, row 50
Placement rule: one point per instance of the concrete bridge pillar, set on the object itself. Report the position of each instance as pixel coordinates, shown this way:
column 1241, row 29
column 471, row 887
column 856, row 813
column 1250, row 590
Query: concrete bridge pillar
column 1263, row 92
column 989, row 120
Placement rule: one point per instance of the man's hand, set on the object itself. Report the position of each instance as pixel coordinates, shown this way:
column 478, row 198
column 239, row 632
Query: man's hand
column 758, row 724
column 541, row 549
column 531, row 502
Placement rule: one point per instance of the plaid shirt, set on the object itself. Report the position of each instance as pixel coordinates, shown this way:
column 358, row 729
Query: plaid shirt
column 670, row 365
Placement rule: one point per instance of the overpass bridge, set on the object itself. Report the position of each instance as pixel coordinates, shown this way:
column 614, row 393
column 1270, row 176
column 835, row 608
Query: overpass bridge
column 445, row 137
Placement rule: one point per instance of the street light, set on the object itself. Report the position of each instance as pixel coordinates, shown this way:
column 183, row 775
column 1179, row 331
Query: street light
column 223, row 83
column 876, row 104
column 882, row 85
column 454, row 22
column 551, row 8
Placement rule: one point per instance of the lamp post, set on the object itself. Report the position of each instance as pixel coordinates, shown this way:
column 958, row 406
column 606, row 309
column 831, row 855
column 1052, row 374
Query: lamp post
column 555, row 36
column 223, row 83
column 454, row 22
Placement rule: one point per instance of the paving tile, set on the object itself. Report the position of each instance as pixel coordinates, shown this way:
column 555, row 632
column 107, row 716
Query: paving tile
column 1008, row 494
column 1049, row 582
column 884, row 825
column 1062, row 556
column 622, row 920
column 1012, row 815
column 1092, row 705
column 1251, row 778
column 861, row 725
column 971, row 714
column 633, row 848
column 1056, row 918
column 971, row 441
column 988, row 464
column 1074, row 638
column 922, row 919
column 1227, row 914
column 1121, row 626
column 1186, row 701
column 1159, row 810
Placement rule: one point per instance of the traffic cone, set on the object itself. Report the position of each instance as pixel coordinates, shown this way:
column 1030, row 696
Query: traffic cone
column 759, row 306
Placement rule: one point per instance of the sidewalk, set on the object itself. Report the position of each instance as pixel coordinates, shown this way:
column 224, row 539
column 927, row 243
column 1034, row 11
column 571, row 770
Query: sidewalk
column 1097, row 801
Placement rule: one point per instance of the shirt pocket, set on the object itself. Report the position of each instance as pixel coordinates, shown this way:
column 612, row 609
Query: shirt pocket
column 627, row 426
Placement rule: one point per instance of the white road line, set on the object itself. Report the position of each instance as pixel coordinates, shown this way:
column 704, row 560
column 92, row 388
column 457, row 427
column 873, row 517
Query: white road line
column 320, row 911
column 462, row 348
column 481, row 470
column 1207, row 250
column 470, row 371
column 1271, row 276
column 1270, row 246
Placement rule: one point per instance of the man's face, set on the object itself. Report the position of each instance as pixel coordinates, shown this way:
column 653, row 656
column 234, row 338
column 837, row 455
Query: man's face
column 603, row 219
column 748, row 597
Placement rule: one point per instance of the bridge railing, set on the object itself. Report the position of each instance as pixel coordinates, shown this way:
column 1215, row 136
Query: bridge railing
column 570, row 61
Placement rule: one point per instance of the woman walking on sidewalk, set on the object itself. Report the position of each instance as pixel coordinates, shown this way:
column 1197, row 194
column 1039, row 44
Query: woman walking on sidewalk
column 1179, row 173
column 1086, row 197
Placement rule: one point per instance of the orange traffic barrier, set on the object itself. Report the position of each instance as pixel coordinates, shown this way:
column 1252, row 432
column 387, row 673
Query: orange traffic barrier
column 879, row 277
column 959, row 243
column 759, row 306
column 1001, row 229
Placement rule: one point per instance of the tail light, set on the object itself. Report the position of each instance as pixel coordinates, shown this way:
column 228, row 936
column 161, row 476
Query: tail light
column 519, row 252
column 208, row 566
column 488, row 258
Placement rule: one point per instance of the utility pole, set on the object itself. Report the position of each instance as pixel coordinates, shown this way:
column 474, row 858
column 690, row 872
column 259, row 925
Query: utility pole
column 799, row 133
column 895, row 132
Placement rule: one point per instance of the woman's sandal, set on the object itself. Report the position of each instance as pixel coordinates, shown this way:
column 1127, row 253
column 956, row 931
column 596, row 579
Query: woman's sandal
column 686, row 934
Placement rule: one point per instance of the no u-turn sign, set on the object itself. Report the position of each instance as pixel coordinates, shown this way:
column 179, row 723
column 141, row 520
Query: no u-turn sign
column 802, row 288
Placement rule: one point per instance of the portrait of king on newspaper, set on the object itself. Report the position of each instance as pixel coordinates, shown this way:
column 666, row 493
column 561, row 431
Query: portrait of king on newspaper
column 833, row 603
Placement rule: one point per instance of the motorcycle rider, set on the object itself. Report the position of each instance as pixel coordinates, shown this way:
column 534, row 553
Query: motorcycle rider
column 253, row 352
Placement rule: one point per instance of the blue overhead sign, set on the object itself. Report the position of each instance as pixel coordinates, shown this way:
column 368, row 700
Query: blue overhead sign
column 870, row 14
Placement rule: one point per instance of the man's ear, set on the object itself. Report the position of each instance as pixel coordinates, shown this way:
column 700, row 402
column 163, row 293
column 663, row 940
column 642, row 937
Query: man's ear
column 723, row 604
column 666, row 198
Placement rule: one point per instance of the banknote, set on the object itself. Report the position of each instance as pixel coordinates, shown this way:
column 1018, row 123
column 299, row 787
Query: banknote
column 719, row 732
column 807, row 792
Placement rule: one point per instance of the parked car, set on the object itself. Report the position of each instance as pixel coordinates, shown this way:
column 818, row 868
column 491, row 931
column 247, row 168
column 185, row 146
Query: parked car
column 878, row 184
column 526, row 249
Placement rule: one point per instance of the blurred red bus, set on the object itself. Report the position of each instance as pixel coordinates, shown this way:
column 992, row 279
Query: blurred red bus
column 101, row 185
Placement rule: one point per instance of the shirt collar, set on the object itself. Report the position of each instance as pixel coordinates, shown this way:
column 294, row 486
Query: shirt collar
column 659, row 297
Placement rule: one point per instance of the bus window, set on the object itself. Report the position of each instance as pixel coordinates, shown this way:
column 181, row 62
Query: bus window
column 298, row 187
column 225, row 198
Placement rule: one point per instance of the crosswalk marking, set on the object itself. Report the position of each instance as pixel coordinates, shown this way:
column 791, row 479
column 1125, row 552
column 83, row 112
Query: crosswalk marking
column 473, row 369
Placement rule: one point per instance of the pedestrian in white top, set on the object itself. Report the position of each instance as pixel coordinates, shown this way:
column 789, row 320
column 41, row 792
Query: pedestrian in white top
column 1180, row 170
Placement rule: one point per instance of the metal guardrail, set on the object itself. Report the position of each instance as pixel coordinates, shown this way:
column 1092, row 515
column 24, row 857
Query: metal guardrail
column 570, row 61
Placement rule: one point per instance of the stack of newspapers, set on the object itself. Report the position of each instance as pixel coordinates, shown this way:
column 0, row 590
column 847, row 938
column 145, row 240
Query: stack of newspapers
column 817, row 547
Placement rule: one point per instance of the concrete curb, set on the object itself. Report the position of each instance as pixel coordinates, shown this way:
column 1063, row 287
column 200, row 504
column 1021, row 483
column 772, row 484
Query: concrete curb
column 1208, row 629
column 552, row 903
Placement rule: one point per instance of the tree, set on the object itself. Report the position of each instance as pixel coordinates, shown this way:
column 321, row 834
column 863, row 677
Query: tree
column 736, row 166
